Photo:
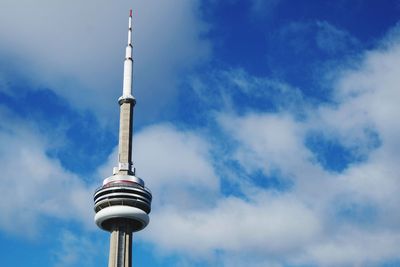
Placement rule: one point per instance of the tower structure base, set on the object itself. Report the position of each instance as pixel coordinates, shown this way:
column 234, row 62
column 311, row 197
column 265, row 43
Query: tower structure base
column 121, row 245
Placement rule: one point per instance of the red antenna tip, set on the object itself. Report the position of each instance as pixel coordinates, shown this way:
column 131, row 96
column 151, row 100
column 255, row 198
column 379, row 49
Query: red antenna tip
column 130, row 13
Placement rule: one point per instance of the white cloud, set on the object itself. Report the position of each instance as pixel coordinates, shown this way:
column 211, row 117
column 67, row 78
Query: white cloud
column 331, row 39
column 34, row 185
column 266, row 226
column 354, row 247
column 275, row 140
column 221, row 88
column 363, row 118
column 77, row 48
column 77, row 250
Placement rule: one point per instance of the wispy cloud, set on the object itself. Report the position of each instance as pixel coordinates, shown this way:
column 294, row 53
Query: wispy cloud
column 77, row 250
column 34, row 182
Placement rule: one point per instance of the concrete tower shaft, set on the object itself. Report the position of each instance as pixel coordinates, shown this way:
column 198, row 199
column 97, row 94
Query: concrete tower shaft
column 125, row 138
column 122, row 203
column 120, row 240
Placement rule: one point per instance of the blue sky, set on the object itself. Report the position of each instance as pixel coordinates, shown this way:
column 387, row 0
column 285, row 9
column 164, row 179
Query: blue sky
column 267, row 130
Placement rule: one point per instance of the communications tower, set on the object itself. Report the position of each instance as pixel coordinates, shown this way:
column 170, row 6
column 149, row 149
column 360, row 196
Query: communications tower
column 122, row 203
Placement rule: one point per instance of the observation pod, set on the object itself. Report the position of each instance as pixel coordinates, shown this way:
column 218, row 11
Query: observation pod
column 122, row 198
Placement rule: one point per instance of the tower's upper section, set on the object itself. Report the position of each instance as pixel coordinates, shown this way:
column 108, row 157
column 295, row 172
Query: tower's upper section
column 127, row 103
column 123, row 196
column 128, row 67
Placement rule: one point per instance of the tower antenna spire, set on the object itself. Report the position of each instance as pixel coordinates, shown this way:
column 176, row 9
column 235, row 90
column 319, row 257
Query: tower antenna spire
column 127, row 102
column 122, row 203
column 128, row 64
column 130, row 28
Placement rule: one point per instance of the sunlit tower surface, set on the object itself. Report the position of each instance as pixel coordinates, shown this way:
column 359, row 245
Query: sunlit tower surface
column 122, row 203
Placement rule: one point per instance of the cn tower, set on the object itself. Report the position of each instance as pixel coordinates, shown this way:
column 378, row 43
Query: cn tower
column 123, row 203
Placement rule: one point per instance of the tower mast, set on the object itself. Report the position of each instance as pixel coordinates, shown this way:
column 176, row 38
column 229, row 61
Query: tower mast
column 122, row 203
column 127, row 103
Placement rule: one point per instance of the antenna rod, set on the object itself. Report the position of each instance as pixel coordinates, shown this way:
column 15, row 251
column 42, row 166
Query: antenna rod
column 128, row 63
